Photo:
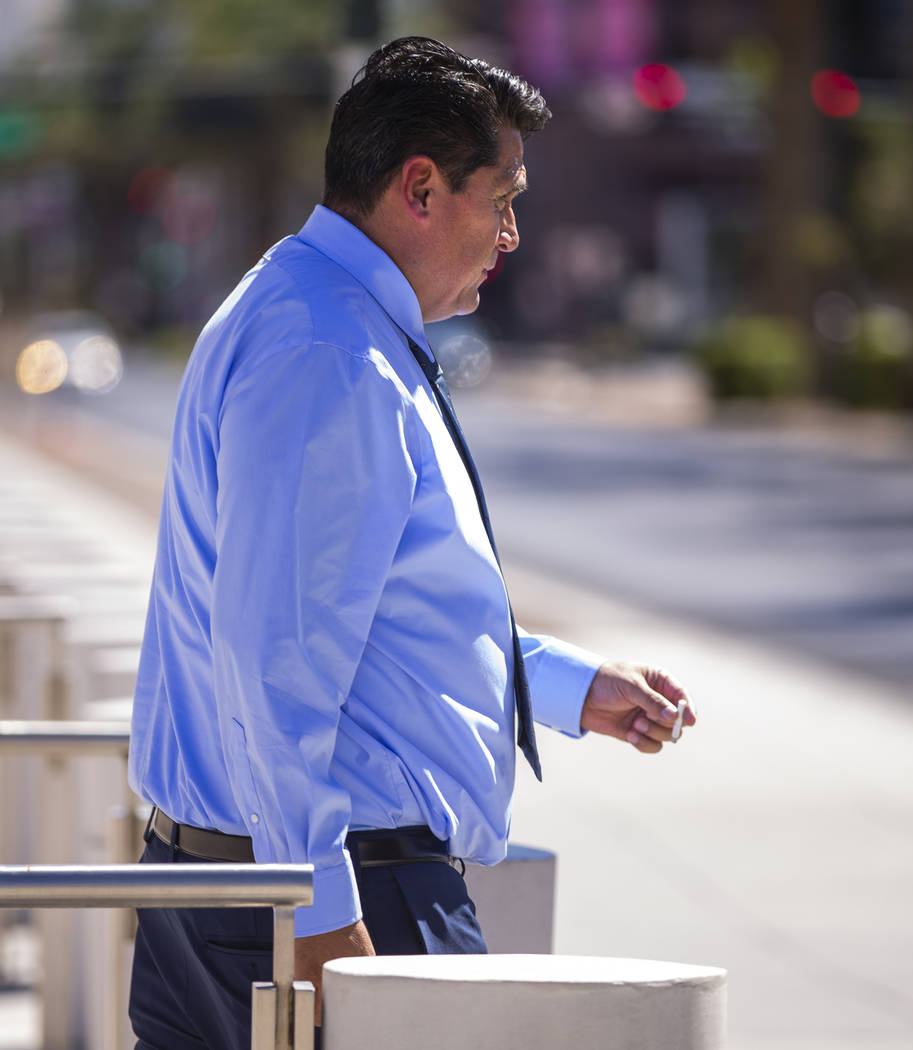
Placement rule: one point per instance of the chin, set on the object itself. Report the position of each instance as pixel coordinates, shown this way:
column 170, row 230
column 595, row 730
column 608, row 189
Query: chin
column 468, row 305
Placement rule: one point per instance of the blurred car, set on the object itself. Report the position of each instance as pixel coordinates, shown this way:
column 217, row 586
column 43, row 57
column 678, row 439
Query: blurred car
column 75, row 348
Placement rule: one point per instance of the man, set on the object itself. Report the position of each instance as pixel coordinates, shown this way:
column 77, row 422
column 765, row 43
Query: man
column 330, row 672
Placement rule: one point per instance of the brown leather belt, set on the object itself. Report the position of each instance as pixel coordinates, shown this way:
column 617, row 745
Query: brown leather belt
column 199, row 842
column 412, row 845
column 369, row 849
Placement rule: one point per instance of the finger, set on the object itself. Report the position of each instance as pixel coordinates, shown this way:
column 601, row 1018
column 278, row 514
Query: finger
column 644, row 727
column 605, row 723
column 656, row 707
column 643, row 743
column 670, row 689
column 689, row 715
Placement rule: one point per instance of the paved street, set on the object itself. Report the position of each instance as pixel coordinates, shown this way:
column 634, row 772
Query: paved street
column 808, row 547
column 772, row 576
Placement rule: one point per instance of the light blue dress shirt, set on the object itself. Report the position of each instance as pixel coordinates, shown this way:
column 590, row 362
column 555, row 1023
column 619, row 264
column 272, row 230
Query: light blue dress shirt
column 328, row 644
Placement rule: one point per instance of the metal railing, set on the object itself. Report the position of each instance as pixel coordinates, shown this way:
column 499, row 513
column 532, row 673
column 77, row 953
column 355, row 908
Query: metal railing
column 117, row 884
column 96, row 1014
column 47, row 738
column 283, row 1009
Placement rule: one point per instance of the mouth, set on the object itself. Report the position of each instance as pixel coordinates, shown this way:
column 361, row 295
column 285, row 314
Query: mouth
column 492, row 268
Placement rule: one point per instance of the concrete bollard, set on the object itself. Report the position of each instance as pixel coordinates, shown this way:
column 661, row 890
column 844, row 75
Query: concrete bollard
column 110, row 673
column 31, row 658
column 515, row 901
column 522, row 1002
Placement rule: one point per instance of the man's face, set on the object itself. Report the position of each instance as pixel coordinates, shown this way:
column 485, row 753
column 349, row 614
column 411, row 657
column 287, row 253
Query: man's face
column 474, row 225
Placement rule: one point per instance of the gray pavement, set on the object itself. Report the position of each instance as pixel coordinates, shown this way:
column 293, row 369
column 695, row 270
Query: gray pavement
column 774, row 840
column 746, row 527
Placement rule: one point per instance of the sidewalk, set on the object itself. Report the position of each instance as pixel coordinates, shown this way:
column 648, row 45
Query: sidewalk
column 774, row 840
column 76, row 510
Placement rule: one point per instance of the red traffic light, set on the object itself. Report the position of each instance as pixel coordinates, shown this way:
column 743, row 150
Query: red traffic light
column 834, row 93
column 658, row 86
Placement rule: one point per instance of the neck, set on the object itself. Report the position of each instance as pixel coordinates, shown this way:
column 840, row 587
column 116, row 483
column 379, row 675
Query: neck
column 385, row 228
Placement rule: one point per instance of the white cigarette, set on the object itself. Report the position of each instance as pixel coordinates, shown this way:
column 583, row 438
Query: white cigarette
column 677, row 728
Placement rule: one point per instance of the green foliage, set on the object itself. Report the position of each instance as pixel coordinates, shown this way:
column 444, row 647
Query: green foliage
column 877, row 369
column 880, row 200
column 759, row 356
column 178, row 33
column 229, row 27
column 142, row 78
column 19, row 130
column 756, row 59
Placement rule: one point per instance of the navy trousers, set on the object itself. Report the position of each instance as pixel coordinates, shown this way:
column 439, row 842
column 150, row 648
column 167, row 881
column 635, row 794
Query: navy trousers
column 193, row 967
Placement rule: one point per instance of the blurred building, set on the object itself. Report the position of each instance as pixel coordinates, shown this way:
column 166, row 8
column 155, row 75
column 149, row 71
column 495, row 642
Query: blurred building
column 24, row 23
column 148, row 154
column 716, row 184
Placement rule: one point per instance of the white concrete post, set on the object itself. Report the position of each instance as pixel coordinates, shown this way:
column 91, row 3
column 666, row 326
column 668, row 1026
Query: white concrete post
column 515, row 901
column 63, row 980
column 30, row 630
column 521, row 1002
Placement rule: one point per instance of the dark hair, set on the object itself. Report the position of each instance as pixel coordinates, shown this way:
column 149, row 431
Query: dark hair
column 418, row 96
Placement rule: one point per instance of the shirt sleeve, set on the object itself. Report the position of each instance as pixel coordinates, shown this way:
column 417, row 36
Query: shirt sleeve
column 315, row 483
column 560, row 675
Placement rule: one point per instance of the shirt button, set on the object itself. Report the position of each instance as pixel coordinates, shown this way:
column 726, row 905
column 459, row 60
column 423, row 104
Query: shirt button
column 254, row 819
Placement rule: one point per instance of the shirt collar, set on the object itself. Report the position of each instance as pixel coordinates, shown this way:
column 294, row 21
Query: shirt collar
column 346, row 245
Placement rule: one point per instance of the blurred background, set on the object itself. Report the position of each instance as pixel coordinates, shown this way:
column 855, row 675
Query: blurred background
column 731, row 179
column 690, row 395
column 718, row 241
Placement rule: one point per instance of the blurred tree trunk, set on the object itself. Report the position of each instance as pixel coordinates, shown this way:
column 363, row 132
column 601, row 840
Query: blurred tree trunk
column 267, row 169
column 793, row 160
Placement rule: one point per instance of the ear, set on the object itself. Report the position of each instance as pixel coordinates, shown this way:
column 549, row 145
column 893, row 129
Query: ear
column 417, row 180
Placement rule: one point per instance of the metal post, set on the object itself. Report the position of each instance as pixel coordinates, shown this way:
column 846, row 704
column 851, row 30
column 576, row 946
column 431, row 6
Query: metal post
column 64, row 1003
column 303, row 1006
column 265, row 999
column 264, row 1009
column 284, row 972
column 119, row 935
column 7, row 778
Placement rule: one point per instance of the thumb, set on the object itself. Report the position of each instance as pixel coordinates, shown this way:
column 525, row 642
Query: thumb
column 656, row 706
column 664, row 694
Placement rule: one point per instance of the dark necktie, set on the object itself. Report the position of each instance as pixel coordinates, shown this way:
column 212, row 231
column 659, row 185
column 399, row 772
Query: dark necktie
column 526, row 733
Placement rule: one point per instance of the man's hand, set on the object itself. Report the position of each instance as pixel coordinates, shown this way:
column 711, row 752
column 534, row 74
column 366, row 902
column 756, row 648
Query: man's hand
column 636, row 704
column 312, row 952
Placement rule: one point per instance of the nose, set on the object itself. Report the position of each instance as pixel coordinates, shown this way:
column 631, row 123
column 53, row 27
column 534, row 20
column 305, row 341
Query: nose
column 508, row 237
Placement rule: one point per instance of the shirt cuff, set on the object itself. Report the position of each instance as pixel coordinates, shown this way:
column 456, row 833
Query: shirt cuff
column 560, row 675
column 336, row 902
